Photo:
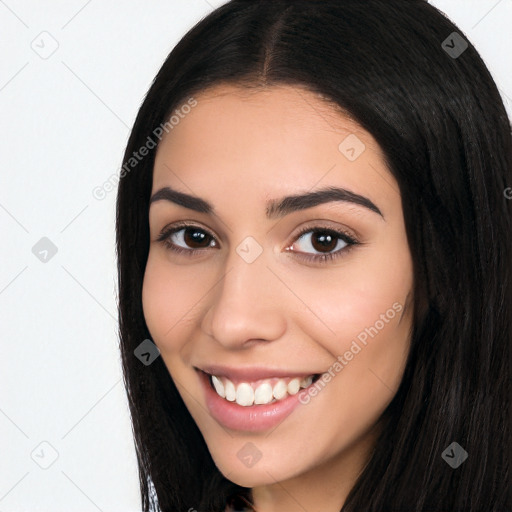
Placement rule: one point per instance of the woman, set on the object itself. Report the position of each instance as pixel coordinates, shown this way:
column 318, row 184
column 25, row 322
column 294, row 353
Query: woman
column 314, row 247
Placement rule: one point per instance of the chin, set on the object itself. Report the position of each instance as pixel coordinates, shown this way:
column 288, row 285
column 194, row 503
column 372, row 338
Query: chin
column 253, row 477
column 263, row 472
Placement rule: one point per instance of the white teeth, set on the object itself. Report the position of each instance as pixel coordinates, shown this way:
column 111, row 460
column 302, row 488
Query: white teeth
column 293, row 386
column 219, row 387
column 280, row 390
column 263, row 394
column 229, row 388
column 245, row 395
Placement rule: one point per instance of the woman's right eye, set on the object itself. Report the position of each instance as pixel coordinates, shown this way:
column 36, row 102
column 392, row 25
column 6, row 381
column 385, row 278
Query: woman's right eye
column 186, row 235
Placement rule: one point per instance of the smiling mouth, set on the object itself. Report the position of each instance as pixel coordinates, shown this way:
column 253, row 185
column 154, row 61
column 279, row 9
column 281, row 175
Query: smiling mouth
column 261, row 392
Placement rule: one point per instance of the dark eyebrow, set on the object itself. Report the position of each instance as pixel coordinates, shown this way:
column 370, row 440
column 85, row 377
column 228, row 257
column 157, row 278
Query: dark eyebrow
column 275, row 208
column 280, row 207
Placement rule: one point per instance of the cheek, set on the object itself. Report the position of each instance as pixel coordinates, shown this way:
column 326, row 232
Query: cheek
column 369, row 352
column 354, row 305
column 167, row 297
column 365, row 320
column 370, row 380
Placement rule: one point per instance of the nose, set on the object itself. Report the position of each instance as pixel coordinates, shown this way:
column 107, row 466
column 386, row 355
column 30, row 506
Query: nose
column 247, row 305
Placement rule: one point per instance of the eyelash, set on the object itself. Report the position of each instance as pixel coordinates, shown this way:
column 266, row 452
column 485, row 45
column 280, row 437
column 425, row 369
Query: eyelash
column 166, row 233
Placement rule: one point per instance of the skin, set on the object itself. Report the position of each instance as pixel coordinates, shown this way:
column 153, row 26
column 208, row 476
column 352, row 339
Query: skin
column 237, row 149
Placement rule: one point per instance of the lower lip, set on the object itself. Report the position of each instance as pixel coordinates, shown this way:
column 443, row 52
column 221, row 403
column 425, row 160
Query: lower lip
column 249, row 418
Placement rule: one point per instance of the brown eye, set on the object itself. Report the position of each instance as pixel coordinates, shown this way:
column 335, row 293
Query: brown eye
column 193, row 236
column 187, row 239
column 326, row 244
column 323, row 240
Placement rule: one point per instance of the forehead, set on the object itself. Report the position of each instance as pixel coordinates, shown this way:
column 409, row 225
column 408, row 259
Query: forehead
column 281, row 137
column 227, row 106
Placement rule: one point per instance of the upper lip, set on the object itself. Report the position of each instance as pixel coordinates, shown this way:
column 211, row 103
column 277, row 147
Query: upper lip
column 251, row 373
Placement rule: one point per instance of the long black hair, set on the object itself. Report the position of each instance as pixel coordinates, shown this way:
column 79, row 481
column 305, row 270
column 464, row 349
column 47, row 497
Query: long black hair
column 411, row 78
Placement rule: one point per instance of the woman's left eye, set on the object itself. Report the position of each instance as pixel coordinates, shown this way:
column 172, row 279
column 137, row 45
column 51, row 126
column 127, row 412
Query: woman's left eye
column 329, row 243
column 325, row 239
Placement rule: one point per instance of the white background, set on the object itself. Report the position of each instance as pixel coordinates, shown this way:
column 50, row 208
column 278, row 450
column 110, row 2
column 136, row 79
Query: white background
column 65, row 120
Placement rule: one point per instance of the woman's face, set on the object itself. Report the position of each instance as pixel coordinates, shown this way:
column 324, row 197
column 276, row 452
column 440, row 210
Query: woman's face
column 256, row 304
